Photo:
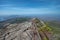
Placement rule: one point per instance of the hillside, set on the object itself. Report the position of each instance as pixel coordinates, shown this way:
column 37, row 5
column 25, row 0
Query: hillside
column 21, row 29
column 55, row 25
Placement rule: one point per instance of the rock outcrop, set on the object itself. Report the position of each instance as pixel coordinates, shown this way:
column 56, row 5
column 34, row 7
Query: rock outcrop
column 23, row 31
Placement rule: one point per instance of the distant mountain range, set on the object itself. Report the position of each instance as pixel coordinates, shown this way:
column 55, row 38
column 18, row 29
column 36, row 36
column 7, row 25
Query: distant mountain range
column 45, row 17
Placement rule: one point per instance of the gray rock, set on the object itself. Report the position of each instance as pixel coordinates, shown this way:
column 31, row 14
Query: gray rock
column 21, row 31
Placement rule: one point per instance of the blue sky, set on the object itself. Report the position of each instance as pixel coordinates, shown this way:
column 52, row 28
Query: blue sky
column 19, row 7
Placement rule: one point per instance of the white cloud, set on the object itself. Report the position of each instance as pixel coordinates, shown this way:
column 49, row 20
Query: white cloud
column 19, row 11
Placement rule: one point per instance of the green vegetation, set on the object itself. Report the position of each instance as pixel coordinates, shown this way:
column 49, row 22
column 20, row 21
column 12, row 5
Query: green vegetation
column 43, row 29
column 55, row 25
column 20, row 20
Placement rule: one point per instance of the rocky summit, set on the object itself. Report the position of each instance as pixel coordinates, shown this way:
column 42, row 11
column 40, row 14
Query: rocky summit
column 33, row 29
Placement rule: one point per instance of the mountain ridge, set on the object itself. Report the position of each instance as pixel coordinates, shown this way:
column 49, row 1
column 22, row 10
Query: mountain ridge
column 33, row 29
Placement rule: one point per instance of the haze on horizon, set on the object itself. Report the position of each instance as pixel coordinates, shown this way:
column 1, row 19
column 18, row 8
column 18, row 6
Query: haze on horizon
column 21, row 7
